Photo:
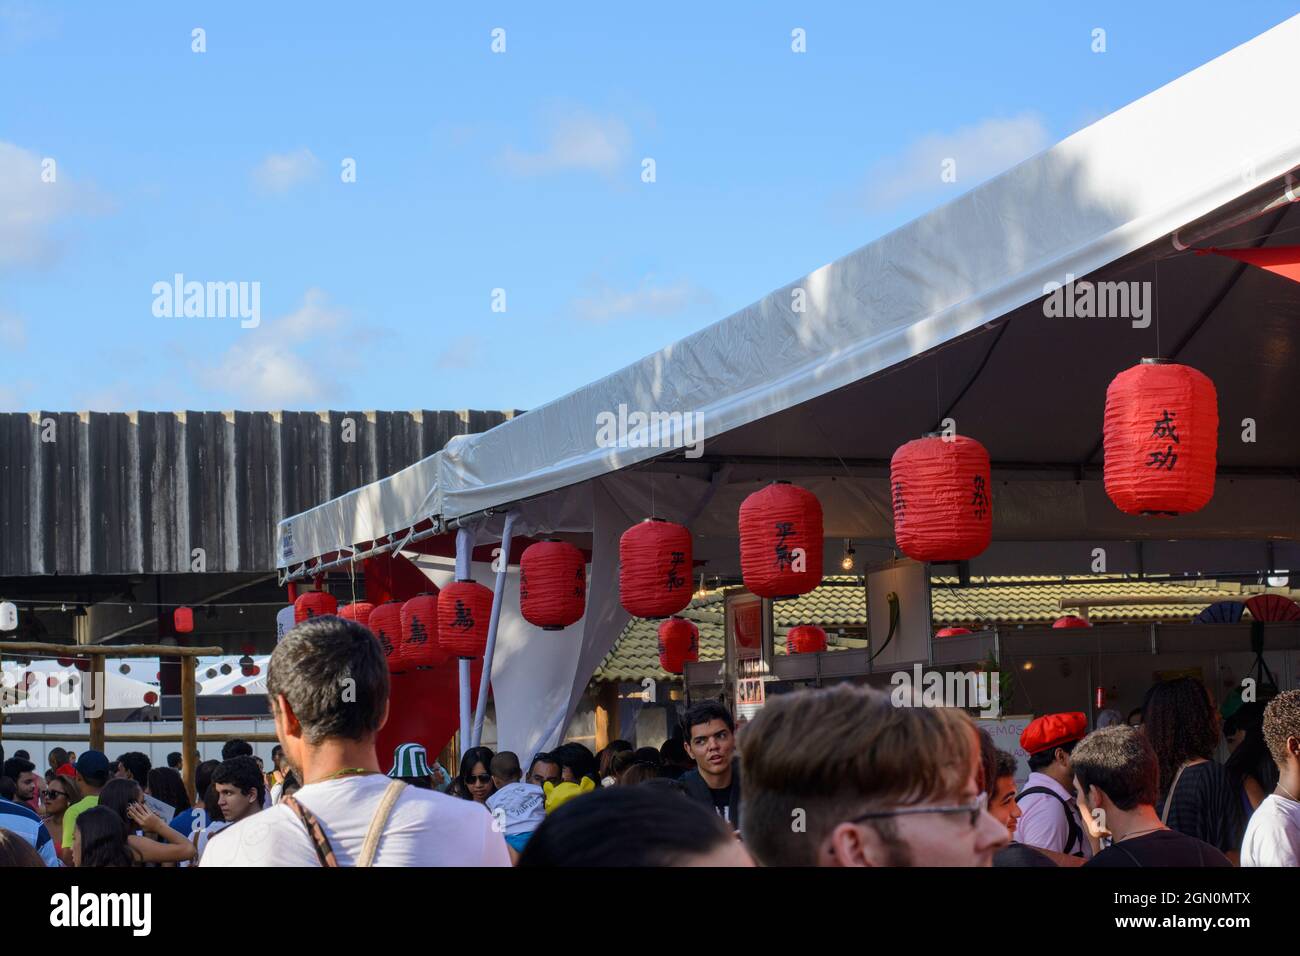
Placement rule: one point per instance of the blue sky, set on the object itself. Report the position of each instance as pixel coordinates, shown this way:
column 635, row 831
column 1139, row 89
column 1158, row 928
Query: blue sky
column 477, row 171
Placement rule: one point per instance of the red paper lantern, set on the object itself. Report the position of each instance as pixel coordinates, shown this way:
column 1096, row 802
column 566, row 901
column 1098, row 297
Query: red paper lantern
column 805, row 639
column 420, row 632
column 150, row 698
column 314, row 604
column 552, row 584
column 1161, row 439
column 1070, row 620
column 654, row 568
column 464, row 611
column 941, row 496
column 65, row 661
column 386, row 624
column 239, row 690
column 781, row 541
column 952, row 631
column 679, row 644
column 183, row 620
column 358, row 611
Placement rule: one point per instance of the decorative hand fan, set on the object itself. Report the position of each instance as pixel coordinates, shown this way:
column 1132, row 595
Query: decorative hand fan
column 1222, row 612
column 1273, row 607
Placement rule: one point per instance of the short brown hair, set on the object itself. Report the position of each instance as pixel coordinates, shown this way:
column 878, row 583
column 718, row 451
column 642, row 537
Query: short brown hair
column 1121, row 763
column 839, row 752
column 1281, row 720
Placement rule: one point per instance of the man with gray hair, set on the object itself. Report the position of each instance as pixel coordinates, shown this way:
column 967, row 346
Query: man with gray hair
column 328, row 688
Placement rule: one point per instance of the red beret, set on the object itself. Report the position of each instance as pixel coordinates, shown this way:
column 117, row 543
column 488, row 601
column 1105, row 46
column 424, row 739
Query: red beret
column 67, row 771
column 1054, row 730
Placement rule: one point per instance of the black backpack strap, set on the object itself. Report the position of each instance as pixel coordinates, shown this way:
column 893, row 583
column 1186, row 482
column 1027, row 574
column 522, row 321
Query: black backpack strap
column 1075, row 832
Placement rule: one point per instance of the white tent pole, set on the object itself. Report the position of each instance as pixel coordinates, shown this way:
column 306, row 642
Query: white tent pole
column 464, row 558
column 498, row 597
column 464, row 663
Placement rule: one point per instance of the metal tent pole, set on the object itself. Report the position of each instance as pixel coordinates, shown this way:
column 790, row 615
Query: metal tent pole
column 498, row 596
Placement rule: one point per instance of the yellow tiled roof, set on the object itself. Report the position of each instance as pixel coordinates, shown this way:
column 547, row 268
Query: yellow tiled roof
column 841, row 603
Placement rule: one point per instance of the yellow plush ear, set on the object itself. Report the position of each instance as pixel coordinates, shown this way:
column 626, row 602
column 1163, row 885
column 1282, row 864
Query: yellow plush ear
column 587, row 785
column 548, row 788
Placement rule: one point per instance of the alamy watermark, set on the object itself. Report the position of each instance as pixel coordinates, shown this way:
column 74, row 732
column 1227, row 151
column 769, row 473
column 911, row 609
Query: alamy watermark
column 966, row 690
column 208, row 300
column 39, row 691
column 1098, row 300
column 657, row 429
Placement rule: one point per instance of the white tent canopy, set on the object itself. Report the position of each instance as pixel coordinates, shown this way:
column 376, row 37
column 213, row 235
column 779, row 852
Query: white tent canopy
column 941, row 318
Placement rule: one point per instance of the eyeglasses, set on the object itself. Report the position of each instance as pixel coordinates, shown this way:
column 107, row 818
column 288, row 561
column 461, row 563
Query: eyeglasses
column 974, row 809
column 484, row 778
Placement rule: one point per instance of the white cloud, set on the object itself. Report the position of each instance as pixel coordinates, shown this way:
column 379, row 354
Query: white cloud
column 31, row 208
column 579, row 141
column 978, row 152
column 461, row 353
column 280, row 172
column 605, row 302
column 296, row 361
column 13, row 332
column 24, row 23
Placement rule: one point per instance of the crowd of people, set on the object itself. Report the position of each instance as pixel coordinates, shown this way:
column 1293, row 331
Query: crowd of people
column 840, row 776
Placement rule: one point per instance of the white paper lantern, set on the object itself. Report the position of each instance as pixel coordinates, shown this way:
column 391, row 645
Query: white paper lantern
column 8, row 616
column 283, row 622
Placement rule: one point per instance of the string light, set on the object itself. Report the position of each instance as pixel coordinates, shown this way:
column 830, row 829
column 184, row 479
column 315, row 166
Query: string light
column 846, row 563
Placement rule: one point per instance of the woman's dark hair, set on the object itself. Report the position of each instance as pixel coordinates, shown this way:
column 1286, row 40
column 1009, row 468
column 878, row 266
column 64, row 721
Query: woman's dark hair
column 203, row 777
column 619, row 765
column 580, row 761
column 641, row 771
column 212, row 803
column 1252, row 757
column 626, row 826
column 103, row 836
column 475, row 755
column 606, row 756
column 311, row 667
column 166, row 785
column 648, row 755
column 291, row 785
column 1181, row 723
column 424, row 783
column 118, row 794
column 15, row 851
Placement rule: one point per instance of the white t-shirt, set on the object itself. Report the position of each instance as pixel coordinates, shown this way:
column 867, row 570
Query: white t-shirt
column 520, row 806
column 1042, row 820
column 425, row 828
column 1273, row 834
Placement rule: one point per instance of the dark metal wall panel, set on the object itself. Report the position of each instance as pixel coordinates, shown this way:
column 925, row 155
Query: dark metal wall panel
column 118, row 493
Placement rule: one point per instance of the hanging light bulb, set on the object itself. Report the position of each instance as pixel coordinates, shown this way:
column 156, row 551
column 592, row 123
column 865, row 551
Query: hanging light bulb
column 700, row 592
column 846, row 563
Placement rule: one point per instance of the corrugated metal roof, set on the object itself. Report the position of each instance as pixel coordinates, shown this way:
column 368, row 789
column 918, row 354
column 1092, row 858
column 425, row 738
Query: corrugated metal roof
column 1006, row 601
column 136, row 492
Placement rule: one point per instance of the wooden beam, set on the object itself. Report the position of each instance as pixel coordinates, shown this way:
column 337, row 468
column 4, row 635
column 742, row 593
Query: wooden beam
column 606, row 715
column 82, row 737
column 100, row 686
column 108, row 650
column 189, row 725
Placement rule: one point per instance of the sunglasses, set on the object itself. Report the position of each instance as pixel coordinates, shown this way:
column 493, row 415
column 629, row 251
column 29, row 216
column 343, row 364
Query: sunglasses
column 972, row 810
column 478, row 778
column 52, row 793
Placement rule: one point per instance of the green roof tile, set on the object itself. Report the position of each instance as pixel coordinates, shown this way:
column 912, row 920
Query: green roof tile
column 841, row 603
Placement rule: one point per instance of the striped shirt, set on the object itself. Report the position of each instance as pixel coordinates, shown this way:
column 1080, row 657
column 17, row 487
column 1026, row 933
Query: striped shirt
column 1205, row 807
column 22, row 821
